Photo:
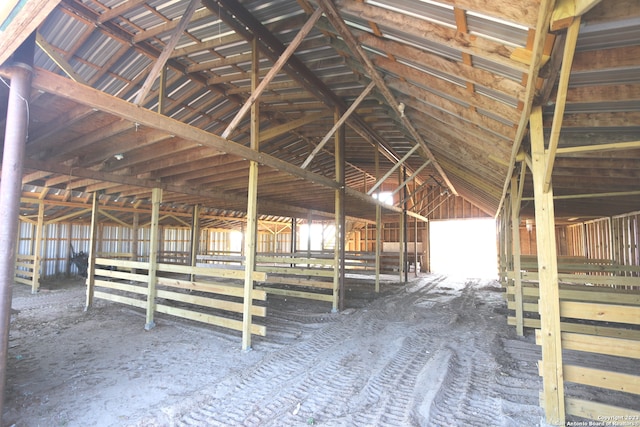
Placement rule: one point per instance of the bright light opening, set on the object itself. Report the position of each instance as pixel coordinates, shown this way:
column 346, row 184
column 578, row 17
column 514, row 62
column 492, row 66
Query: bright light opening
column 323, row 236
column 235, row 241
column 464, row 248
column 385, row 197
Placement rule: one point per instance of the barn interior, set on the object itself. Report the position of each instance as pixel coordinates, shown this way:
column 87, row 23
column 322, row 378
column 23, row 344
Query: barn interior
column 181, row 153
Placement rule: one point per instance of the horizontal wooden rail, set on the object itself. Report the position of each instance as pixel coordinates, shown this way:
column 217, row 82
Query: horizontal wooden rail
column 583, row 329
column 132, row 289
column 210, row 319
column 601, row 378
column 597, row 344
column 604, row 414
column 600, row 312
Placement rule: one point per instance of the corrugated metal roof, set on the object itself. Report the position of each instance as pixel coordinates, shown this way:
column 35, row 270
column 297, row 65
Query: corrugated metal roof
column 463, row 93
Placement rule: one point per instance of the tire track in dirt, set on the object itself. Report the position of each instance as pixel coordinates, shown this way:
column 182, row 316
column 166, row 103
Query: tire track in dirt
column 465, row 395
column 282, row 370
column 437, row 367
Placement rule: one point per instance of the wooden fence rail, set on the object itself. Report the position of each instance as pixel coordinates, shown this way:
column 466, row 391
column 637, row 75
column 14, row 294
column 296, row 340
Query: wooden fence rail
column 24, row 269
column 600, row 315
column 215, row 296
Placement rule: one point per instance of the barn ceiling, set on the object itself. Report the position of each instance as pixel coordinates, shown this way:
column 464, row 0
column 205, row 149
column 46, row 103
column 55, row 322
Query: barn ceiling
column 131, row 95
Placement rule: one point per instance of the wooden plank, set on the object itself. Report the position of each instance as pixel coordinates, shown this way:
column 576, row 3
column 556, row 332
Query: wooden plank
column 578, row 328
column 597, row 344
column 142, row 290
column 600, row 312
column 585, row 279
column 210, row 319
column 603, row 413
column 592, row 294
column 211, row 272
column 296, row 271
column 23, row 281
column 551, row 366
column 298, row 294
column 294, row 260
column 602, row 379
column 28, row 265
column 115, row 274
column 215, row 288
column 295, row 281
column 120, row 299
column 123, row 263
column 211, row 302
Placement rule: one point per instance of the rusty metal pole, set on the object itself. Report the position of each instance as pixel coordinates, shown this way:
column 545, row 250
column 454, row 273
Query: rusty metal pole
column 11, row 188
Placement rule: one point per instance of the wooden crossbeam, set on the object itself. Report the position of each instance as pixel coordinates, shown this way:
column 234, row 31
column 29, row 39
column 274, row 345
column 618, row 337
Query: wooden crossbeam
column 277, row 66
column 337, row 124
column 561, row 99
column 336, row 19
column 166, row 52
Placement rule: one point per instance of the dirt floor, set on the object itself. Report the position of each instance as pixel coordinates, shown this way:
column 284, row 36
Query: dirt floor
column 434, row 352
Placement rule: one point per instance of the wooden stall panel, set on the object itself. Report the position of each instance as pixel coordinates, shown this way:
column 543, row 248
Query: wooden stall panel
column 215, row 297
column 613, row 333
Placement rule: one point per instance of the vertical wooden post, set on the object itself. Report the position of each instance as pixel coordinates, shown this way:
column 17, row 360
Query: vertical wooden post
column 309, row 222
column 294, row 236
column 378, row 221
column 515, row 230
column 93, row 236
column 401, row 237
column 134, row 239
column 69, row 240
column 195, row 237
column 154, row 242
column 549, row 304
column 252, row 207
column 37, row 250
column 415, row 246
column 339, row 253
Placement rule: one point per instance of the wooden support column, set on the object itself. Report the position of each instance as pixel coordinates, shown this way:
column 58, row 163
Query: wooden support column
column 294, row 235
column 405, row 237
column 195, row 237
column 549, row 304
column 154, row 242
column 515, row 230
column 339, row 250
column 415, row 246
column 134, row 238
column 93, row 237
column 252, row 206
column 378, row 222
column 401, row 238
column 15, row 138
column 37, row 249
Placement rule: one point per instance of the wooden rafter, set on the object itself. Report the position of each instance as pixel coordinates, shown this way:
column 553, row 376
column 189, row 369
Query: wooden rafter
column 337, row 21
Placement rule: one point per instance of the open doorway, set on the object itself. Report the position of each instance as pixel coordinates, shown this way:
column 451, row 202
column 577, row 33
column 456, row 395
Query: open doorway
column 464, row 248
